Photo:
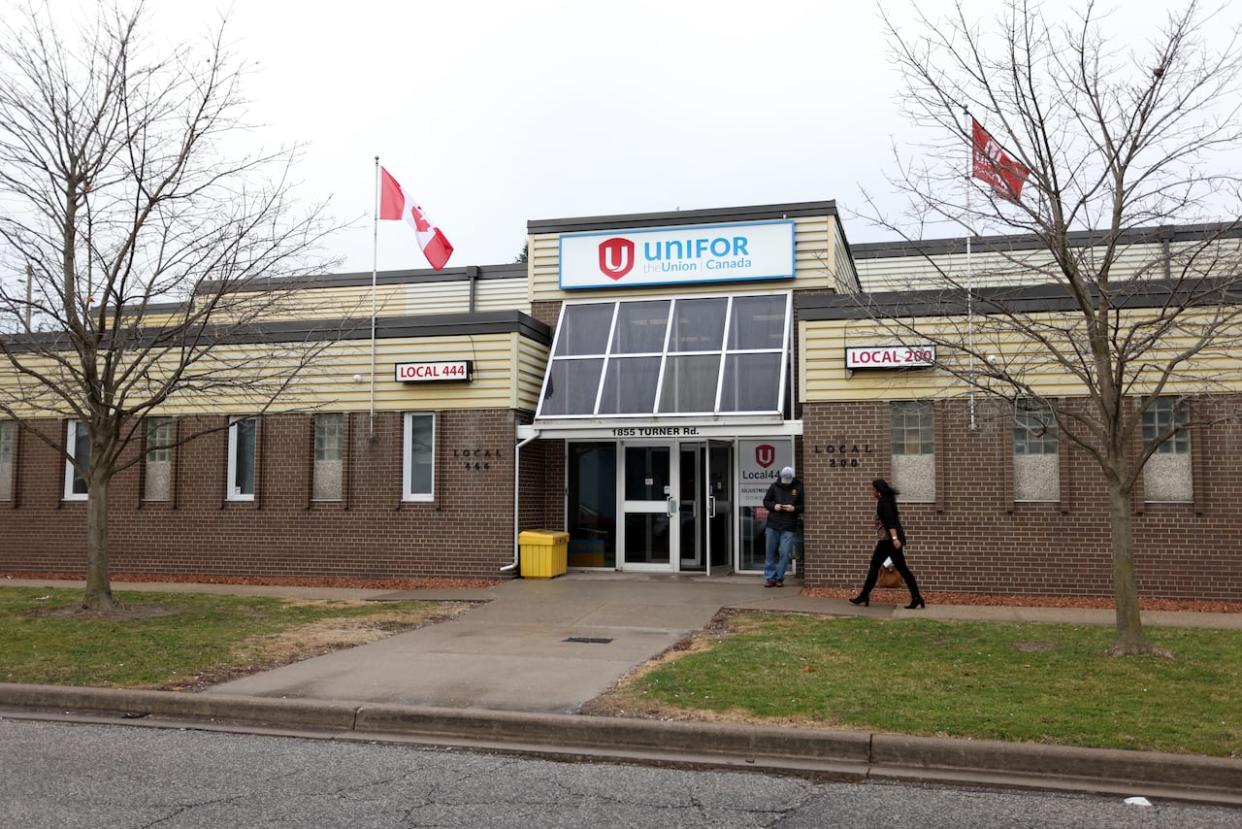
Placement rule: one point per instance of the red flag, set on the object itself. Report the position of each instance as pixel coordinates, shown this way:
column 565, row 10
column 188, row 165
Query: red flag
column 995, row 166
column 395, row 204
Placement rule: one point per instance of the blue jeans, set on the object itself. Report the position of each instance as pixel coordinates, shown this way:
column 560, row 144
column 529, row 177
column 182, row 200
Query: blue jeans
column 782, row 540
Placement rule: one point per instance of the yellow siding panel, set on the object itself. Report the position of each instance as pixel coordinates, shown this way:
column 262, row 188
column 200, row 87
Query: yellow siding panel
column 338, row 379
column 409, row 299
column 825, row 378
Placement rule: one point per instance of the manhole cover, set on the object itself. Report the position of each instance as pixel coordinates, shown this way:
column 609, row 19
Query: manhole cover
column 589, row 640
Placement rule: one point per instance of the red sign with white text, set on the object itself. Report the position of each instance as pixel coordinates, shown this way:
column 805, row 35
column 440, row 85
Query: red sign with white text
column 432, row 372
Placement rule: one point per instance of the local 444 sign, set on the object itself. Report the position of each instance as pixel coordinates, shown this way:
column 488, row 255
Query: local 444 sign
column 437, row 372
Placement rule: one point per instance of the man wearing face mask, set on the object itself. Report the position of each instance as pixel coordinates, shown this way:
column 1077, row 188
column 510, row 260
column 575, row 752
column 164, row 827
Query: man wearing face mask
column 783, row 502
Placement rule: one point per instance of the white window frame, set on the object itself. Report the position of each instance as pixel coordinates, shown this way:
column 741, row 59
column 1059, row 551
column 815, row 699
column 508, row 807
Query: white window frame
column 407, row 439
column 11, row 426
column 71, row 448
column 724, row 352
column 165, row 448
column 340, row 454
column 231, row 488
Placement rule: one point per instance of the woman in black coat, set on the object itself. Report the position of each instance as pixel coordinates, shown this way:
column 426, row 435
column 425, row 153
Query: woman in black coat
column 891, row 545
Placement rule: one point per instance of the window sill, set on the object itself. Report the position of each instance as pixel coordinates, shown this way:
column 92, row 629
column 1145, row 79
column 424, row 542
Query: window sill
column 416, row 503
column 77, row 499
column 1186, row 503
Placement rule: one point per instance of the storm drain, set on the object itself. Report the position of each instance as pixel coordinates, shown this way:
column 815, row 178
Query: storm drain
column 588, row 640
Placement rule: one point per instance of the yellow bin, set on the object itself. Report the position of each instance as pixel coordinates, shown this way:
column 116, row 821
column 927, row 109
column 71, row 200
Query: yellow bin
column 544, row 553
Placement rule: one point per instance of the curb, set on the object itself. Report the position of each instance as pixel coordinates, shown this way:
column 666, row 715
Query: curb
column 841, row 754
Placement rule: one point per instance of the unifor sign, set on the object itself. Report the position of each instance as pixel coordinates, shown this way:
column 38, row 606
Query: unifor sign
column 678, row 255
column 432, row 372
column 885, row 356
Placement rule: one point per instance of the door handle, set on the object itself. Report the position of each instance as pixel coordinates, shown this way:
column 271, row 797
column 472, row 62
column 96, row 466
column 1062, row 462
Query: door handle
column 711, row 506
column 672, row 506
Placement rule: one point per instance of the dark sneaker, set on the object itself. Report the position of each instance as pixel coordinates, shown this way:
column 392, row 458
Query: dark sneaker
column 769, row 583
column 780, row 583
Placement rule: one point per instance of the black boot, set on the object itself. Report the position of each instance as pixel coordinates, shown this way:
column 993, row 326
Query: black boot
column 861, row 599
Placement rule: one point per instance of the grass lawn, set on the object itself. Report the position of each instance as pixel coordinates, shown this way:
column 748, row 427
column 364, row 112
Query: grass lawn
column 182, row 640
column 1040, row 683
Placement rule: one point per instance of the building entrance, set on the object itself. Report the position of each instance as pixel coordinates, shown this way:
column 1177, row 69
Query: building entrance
column 676, row 507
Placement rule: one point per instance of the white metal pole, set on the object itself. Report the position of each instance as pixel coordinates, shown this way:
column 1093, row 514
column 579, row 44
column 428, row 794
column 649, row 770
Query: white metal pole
column 374, row 273
column 970, row 271
column 29, row 296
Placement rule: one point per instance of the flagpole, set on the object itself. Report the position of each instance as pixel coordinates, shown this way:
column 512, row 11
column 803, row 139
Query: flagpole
column 970, row 271
column 374, row 273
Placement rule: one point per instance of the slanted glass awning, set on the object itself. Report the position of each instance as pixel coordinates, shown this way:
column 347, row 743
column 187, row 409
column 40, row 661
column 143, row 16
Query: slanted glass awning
column 700, row 355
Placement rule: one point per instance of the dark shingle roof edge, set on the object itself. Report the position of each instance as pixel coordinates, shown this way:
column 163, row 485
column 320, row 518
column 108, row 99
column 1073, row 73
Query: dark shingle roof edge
column 683, row 217
column 359, row 328
column 513, row 270
column 1024, row 299
column 1028, row 241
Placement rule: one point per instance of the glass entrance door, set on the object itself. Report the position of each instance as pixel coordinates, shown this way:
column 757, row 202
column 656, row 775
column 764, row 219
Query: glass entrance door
column 692, row 506
column 718, row 492
column 649, row 506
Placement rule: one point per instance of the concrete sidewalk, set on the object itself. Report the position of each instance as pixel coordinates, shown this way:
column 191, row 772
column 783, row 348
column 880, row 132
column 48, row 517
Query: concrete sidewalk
column 551, row 646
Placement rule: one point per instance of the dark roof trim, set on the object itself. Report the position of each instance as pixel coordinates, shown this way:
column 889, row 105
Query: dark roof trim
column 683, row 217
column 402, row 277
column 1025, row 299
column 1028, row 241
column 359, row 328
column 151, row 308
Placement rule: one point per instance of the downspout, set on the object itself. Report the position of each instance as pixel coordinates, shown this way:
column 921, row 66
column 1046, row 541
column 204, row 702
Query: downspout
column 517, row 481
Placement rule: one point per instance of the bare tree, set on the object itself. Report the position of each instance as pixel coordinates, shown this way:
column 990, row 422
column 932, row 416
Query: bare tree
column 1119, row 142
column 157, row 245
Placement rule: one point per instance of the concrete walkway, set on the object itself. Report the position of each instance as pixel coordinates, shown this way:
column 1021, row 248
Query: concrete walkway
column 518, row 651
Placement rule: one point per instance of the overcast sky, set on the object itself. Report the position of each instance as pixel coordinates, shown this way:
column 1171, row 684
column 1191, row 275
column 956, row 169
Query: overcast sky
column 492, row 113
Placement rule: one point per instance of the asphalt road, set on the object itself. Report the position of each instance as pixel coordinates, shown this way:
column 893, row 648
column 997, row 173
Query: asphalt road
column 67, row 775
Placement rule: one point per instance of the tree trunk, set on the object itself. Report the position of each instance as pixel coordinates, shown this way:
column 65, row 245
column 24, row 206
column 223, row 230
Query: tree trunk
column 98, row 580
column 1130, row 638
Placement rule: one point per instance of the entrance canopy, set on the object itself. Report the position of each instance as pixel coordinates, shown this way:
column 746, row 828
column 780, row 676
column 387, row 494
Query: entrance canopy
column 669, row 358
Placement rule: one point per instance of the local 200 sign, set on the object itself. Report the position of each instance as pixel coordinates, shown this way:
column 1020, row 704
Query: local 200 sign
column 862, row 357
column 678, row 255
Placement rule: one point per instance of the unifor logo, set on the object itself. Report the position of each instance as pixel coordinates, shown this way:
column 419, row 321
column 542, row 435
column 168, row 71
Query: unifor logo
column 765, row 455
column 616, row 257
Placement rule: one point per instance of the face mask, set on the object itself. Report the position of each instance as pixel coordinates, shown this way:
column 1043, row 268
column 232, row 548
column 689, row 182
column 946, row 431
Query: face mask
column 786, row 481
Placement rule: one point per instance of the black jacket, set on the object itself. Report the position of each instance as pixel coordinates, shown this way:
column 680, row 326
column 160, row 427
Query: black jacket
column 779, row 493
column 887, row 517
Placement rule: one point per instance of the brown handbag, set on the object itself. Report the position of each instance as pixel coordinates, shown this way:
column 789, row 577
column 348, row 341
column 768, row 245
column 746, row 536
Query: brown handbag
column 889, row 578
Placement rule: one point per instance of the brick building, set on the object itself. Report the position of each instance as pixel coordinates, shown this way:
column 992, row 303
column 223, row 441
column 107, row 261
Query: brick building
column 639, row 383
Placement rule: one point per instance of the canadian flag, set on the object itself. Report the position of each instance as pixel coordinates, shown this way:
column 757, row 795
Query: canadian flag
column 395, row 204
column 995, row 166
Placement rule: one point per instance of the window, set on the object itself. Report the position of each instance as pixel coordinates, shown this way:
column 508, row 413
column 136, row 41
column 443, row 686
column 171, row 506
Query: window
column 694, row 355
column 419, row 459
column 1167, row 475
column 158, row 470
column 913, row 451
column 79, row 445
column 1036, row 458
column 8, row 436
column 329, row 440
column 242, row 432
